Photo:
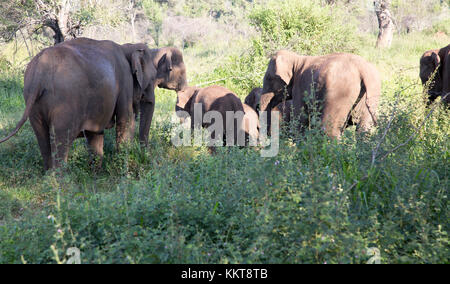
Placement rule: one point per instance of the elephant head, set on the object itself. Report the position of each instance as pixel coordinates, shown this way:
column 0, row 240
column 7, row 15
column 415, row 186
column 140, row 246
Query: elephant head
column 429, row 62
column 144, row 77
column 171, row 71
column 252, row 99
column 184, row 101
column 278, row 79
column 163, row 67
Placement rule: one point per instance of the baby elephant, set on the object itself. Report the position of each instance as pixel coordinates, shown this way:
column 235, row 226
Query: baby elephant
column 284, row 109
column 251, row 125
column 199, row 104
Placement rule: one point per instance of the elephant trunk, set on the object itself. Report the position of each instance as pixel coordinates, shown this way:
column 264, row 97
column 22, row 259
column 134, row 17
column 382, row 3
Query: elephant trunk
column 147, row 109
column 265, row 101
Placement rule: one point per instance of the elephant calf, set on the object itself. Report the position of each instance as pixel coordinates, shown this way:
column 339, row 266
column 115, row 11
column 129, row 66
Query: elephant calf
column 284, row 108
column 344, row 86
column 241, row 119
column 251, row 124
column 436, row 60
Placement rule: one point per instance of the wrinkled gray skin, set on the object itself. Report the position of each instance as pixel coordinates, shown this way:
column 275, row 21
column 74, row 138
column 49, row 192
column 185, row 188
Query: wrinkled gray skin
column 347, row 87
column 220, row 99
column 430, row 61
column 80, row 87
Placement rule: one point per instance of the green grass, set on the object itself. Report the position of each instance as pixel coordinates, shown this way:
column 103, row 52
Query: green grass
column 318, row 201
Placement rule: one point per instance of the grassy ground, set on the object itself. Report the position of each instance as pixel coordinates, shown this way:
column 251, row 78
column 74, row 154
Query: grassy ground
column 318, row 201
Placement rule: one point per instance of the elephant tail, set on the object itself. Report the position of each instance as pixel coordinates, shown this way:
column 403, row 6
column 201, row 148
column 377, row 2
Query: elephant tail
column 34, row 91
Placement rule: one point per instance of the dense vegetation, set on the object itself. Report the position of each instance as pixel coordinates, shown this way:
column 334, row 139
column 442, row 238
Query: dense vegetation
column 318, row 201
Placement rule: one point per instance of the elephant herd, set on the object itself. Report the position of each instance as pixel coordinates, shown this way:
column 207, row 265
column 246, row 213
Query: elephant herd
column 81, row 87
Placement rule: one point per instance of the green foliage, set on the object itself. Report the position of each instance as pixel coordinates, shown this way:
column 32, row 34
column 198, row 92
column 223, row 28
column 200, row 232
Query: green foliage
column 443, row 26
column 317, row 201
column 13, row 16
column 213, row 8
column 302, row 26
column 154, row 13
column 107, row 14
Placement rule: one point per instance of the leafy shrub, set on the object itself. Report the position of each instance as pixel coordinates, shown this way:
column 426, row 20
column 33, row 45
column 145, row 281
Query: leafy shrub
column 301, row 26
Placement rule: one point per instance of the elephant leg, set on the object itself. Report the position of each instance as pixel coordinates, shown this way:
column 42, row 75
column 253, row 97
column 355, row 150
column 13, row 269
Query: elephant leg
column 95, row 146
column 299, row 113
column 147, row 109
column 366, row 121
column 124, row 121
column 124, row 131
column 43, row 137
column 334, row 118
column 60, row 143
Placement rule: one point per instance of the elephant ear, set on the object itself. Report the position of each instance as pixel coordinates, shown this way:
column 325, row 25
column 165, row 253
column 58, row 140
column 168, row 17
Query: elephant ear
column 165, row 63
column 136, row 65
column 283, row 66
column 435, row 59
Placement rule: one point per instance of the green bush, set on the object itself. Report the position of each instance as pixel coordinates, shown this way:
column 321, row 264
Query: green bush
column 302, row 26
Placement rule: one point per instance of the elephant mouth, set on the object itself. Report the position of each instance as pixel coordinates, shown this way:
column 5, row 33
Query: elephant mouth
column 170, row 87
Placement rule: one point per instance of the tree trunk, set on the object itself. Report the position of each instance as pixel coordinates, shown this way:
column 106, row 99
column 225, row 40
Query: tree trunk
column 133, row 28
column 385, row 24
column 54, row 25
column 63, row 17
column 57, row 17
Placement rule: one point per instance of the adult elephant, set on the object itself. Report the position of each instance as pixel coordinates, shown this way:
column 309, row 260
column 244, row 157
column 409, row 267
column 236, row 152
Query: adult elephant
column 346, row 87
column 80, row 87
column 436, row 61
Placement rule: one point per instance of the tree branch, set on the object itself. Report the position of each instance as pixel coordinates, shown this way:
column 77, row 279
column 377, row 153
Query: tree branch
column 414, row 135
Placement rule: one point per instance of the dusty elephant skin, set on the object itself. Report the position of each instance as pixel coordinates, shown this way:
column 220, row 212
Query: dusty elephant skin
column 430, row 61
column 222, row 100
column 80, row 87
column 346, row 86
